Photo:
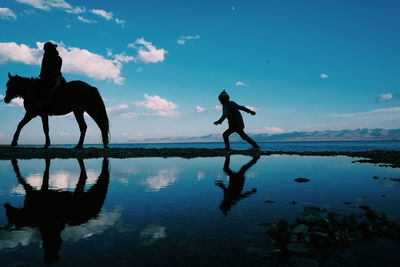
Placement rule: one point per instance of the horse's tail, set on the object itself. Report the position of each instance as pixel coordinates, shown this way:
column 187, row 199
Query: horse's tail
column 97, row 111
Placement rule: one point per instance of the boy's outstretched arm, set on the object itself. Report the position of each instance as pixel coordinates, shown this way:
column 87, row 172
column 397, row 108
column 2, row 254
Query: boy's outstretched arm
column 223, row 117
column 246, row 110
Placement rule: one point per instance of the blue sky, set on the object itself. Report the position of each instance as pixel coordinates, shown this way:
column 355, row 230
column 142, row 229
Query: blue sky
column 160, row 65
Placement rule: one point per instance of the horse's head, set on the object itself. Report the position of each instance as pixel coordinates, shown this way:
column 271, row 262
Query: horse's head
column 17, row 86
column 15, row 216
column 11, row 92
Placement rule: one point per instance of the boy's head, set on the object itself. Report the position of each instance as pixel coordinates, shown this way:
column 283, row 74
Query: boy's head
column 223, row 97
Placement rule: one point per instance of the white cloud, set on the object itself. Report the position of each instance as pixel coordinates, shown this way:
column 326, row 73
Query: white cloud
column 270, row 130
column 202, row 110
column 18, row 101
column 183, row 39
column 85, row 20
column 323, row 76
column 124, row 58
column 384, row 97
column 82, row 61
column 102, row 13
column 217, row 108
column 199, row 109
column 239, row 83
column 76, row 10
column 159, row 106
column 75, row 60
column 113, row 111
column 15, row 102
column 147, row 52
column 20, row 53
column 132, row 115
column 120, row 21
column 47, row 4
column 6, row 13
column 377, row 115
column 251, row 108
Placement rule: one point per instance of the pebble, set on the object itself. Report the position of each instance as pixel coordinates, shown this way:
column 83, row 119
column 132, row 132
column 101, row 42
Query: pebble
column 301, row 228
column 302, row 180
column 298, row 248
column 302, row 262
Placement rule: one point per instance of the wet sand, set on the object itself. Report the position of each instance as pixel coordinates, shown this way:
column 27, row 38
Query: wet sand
column 383, row 157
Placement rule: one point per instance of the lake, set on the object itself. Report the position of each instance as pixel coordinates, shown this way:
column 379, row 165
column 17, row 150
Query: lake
column 300, row 146
column 174, row 211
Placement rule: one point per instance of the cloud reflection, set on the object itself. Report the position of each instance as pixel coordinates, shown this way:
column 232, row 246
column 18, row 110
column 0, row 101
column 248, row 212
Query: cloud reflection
column 60, row 180
column 162, row 179
column 28, row 235
column 151, row 234
column 104, row 221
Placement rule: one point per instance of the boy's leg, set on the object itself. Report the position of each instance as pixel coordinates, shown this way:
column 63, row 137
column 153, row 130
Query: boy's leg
column 245, row 137
column 226, row 135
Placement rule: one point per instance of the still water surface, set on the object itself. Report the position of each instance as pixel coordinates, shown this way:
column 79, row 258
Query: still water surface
column 172, row 211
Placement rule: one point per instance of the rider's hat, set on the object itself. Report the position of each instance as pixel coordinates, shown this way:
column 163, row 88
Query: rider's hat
column 49, row 45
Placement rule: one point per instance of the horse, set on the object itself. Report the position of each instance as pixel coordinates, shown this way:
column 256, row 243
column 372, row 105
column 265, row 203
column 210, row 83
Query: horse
column 51, row 210
column 74, row 96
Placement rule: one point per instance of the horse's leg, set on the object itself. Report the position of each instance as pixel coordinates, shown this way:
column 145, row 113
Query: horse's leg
column 80, row 186
column 45, row 182
column 45, row 122
column 28, row 116
column 102, row 124
column 21, row 180
column 82, row 127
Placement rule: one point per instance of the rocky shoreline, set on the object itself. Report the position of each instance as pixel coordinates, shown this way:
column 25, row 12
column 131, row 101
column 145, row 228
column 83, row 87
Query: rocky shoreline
column 317, row 233
column 389, row 158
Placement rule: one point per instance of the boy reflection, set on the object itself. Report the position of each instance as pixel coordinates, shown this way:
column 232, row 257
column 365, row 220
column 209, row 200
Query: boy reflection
column 233, row 193
column 51, row 210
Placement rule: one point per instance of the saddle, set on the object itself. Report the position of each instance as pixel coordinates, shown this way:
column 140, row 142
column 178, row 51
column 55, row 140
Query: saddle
column 45, row 92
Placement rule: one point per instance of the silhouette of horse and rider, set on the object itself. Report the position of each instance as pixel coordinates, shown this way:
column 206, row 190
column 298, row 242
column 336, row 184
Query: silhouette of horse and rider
column 51, row 210
column 51, row 95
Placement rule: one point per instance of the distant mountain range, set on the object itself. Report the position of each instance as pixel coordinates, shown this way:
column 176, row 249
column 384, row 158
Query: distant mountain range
column 342, row 135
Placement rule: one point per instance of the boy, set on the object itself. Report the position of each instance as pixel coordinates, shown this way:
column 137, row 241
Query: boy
column 235, row 120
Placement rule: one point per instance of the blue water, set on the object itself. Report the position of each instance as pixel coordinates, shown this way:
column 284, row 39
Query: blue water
column 269, row 146
column 173, row 211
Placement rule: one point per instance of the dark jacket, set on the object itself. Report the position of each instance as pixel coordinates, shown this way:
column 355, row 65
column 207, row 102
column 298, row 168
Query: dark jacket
column 51, row 66
column 231, row 110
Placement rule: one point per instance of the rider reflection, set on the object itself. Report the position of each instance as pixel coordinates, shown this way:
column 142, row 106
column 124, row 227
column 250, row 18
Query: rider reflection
column 233, row 193
column 51, row 210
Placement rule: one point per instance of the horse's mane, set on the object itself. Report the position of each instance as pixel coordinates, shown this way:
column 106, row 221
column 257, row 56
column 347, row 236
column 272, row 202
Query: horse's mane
column 31, row 79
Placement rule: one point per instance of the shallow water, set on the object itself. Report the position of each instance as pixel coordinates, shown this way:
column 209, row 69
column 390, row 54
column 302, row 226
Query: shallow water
column 173, row 211
column 299, row 146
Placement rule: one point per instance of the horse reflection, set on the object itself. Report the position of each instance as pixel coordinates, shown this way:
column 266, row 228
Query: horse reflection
column 233, row 193
column 51, row 210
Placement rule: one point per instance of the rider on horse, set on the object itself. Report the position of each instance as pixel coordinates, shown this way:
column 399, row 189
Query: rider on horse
column 50, row 74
